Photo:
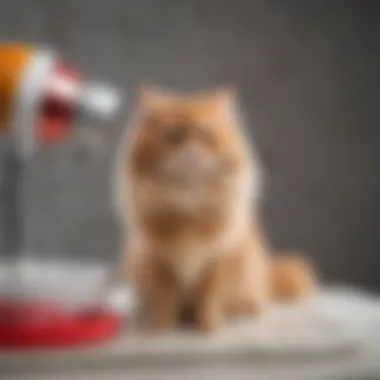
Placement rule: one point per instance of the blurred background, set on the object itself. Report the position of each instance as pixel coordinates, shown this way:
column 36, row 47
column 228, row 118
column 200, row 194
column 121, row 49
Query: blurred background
column 308, row 74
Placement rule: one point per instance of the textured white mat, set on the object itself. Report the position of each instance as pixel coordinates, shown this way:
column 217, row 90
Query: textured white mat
column 335, row 323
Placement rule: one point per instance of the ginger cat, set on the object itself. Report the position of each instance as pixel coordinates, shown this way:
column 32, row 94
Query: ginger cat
column 190, row 186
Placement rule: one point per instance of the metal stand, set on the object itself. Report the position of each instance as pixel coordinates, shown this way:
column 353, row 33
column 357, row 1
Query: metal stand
column 12, row 221
column 12, row 194
column 30, row 320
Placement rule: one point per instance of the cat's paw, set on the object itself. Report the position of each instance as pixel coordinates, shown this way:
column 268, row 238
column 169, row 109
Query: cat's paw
column 161, row 323
column 248, row 309
column 211, row 320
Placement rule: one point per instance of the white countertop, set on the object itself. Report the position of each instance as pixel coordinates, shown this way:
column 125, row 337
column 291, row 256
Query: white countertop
column 336, row 336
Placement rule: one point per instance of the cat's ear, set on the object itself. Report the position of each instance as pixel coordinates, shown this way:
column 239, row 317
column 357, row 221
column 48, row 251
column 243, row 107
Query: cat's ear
column 226, row 93
column 225, row 98
column 151, row 98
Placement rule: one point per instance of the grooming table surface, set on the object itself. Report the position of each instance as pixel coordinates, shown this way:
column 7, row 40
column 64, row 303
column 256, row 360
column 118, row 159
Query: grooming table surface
column 337, row 331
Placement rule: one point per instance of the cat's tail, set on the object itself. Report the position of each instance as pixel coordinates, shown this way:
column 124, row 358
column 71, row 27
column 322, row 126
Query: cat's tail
column 292, row 277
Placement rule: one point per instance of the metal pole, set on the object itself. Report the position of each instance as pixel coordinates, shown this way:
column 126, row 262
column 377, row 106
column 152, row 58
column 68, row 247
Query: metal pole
column 12, row 194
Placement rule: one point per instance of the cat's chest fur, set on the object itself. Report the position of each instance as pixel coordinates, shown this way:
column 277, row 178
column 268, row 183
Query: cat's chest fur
column 189, row 229
column 188, row 250
column 177, row 216
column 188, row 264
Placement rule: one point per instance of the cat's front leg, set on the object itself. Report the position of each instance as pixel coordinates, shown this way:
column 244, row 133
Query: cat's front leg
column 210, row 306
column 162, row 309
column 157, row 293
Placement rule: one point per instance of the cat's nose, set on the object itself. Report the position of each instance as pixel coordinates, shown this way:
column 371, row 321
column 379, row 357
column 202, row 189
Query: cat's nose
column 190, row 163
column 192, row 158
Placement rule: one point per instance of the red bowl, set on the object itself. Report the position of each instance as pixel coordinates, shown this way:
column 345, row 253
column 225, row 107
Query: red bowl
column 37, row 324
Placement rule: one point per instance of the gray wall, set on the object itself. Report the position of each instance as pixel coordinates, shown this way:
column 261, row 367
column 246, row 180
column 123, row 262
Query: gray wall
column 308, row 72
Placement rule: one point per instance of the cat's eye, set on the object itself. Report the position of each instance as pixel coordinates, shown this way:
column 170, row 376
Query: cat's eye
column 173, row 134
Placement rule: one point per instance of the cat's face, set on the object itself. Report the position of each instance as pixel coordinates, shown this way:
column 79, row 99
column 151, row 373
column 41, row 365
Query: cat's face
column 186, row 140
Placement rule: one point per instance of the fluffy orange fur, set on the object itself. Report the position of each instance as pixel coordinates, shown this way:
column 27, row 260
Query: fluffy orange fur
column 190, row 187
